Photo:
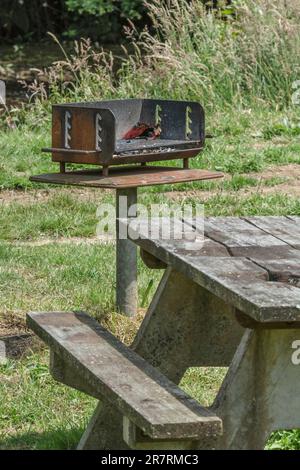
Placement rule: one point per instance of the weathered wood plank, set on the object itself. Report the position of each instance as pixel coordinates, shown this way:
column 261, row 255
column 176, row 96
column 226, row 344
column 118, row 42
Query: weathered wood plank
column 244, row 285
column 282, row 263
column 237, row 281
column 294, row 217
column 141, row 392
column 284, row 229
column 181, row 236
column 136, row 440
column 234, row 232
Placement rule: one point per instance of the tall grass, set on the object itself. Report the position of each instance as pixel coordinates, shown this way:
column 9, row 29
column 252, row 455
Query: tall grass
column 248, row 55
column 221, row 59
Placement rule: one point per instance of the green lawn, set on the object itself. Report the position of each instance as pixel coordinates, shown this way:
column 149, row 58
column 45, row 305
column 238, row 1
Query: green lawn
column 49, row 259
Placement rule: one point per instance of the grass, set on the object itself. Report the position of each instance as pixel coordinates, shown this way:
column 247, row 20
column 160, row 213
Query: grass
column 238, row 149
column 242, row 71
column 62, row 277
column 62, row 412
column 41, row 413
column 20, row 155
column 38, row 413
column 251, row 56
column 61, row 214
column 284, row 440
column 67, row 276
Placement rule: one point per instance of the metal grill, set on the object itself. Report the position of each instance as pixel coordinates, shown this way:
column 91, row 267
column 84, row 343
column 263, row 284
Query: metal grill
column 95, row 133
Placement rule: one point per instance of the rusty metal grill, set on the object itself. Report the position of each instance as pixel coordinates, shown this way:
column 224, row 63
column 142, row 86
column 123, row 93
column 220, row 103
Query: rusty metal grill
column 95, row 133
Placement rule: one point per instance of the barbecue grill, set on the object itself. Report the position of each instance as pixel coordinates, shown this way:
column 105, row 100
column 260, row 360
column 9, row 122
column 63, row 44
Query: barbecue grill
column 97, row 132
column 126, row 134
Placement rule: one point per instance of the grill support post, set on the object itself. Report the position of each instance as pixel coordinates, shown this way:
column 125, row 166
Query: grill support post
column 126, row 257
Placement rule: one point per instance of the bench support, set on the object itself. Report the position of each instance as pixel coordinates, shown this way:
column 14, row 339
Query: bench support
column 185, row 326
column 62, row 373
column 136, row 440
column 260, row 393
column 181, row 314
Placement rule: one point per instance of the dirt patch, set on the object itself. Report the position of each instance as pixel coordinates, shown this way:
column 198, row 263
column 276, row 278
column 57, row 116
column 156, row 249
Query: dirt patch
column 290, row 185
column 124, row 328
column 44, row 195
column 12, row 324
column 289, row 189
column 284, row 188
column 291, row 171
column 66, row 240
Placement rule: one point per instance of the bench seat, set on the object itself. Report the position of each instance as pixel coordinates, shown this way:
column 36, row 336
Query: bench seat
column 116, row 373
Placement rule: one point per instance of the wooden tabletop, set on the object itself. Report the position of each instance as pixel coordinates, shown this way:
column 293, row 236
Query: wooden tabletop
column 252, row 263
column 127, row 176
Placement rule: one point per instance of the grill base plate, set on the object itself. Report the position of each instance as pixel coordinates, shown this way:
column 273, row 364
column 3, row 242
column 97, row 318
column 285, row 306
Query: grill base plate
column 127, row 177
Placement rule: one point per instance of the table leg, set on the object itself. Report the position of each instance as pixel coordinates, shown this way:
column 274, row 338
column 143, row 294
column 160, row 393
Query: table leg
column 260, row 393
column 185, row 326
column 126, row 258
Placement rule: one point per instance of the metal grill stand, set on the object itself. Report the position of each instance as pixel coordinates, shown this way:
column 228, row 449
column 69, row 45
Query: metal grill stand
column 126, row 261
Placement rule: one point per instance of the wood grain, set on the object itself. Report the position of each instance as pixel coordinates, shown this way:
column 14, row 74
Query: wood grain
column 138, row 390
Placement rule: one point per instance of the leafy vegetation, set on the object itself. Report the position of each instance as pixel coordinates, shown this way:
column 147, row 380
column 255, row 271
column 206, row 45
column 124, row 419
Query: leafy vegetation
column 126, row 8
column 100, row 19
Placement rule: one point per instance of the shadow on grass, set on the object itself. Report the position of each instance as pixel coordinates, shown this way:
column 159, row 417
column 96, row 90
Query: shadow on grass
column 56, row 439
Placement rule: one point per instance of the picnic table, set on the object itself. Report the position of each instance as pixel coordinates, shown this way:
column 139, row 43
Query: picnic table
column 234, row 302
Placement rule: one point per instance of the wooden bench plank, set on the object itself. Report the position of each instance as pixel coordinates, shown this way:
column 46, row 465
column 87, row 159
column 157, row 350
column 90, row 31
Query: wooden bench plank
column 141, row 392
column 284, row 229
